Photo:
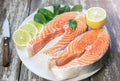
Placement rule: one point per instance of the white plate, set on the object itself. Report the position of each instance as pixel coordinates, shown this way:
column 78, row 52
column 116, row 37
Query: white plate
column 37, row 63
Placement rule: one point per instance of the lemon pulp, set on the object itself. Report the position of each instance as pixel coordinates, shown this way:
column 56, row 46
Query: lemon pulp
column 96, row 17
column 21, row 37
column 37, row 25
column 30, row 28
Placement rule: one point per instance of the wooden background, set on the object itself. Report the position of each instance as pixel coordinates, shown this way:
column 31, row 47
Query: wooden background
column 18, row 10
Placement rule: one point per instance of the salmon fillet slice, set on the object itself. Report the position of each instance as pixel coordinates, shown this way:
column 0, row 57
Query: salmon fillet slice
column 82, row 51
column 57, row 27
column 94, row 51
column 68, row 35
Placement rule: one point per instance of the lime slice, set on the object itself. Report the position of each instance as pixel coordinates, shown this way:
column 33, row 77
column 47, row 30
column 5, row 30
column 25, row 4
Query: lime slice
column 37, row 25
column 95, row 17
column 21, row 37
column 30, row 28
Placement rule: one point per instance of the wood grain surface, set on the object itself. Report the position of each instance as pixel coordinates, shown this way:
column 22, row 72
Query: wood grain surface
column 18, row 10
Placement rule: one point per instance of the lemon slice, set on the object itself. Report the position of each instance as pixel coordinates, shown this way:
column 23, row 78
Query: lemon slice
column 21, row 37
column 95, row 17
column 30, row 28
column 37, row 25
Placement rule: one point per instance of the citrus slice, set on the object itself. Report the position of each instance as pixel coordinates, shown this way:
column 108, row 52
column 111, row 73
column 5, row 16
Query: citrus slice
column 95, row 17
column 37, row 25
column 21, row 37
column 30, row 28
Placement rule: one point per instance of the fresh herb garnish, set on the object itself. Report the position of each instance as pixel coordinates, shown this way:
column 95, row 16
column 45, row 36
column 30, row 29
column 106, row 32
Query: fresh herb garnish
column 66, row 8
column 47, row 13
column 72, row 23
column 56, row 8
column 39, row 18
column 77, row 8
column 44, row 15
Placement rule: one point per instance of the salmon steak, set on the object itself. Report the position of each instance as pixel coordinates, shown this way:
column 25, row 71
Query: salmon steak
column 55, row 28
column 84, row 50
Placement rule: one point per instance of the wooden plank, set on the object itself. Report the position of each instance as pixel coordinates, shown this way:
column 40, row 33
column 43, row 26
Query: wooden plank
column 17, row 11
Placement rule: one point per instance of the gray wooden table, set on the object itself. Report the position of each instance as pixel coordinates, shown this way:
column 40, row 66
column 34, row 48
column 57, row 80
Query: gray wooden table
column 18, row 10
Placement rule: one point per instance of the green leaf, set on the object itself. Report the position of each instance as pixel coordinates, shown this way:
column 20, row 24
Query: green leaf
column 72, row 23
column 47, row 13
column 77, row 8
column 66, row 8
column 56, row 8
column 39, row 18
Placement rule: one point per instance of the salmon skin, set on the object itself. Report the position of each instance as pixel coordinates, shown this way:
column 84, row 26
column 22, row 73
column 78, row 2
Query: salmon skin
column 57, row 27
column 82, row 51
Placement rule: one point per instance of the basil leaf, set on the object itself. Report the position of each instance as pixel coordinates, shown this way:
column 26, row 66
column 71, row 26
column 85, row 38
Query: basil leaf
column 47, row 13
column 56, row 8
column 66, row 8
column 39, row 18
column 61, row 10
column 77, row 8
column 72, row 23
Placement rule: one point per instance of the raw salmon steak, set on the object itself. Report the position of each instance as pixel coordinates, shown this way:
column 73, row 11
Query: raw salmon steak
column 58, row 27
column 82, row 51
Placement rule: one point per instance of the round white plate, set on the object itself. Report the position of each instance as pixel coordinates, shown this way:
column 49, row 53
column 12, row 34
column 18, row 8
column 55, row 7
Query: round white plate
column 37, row 63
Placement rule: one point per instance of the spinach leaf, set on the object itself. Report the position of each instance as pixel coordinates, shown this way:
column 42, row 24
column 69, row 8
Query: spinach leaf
column 47, row 13
column 56, row 8
column 38, row 17
column 66, row 8
column 43, row 15
column 72, row 23
column 77, row 8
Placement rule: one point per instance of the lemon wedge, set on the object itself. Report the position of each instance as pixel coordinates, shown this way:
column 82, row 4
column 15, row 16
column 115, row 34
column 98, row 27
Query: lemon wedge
column 21, row 37
column 96, row 17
